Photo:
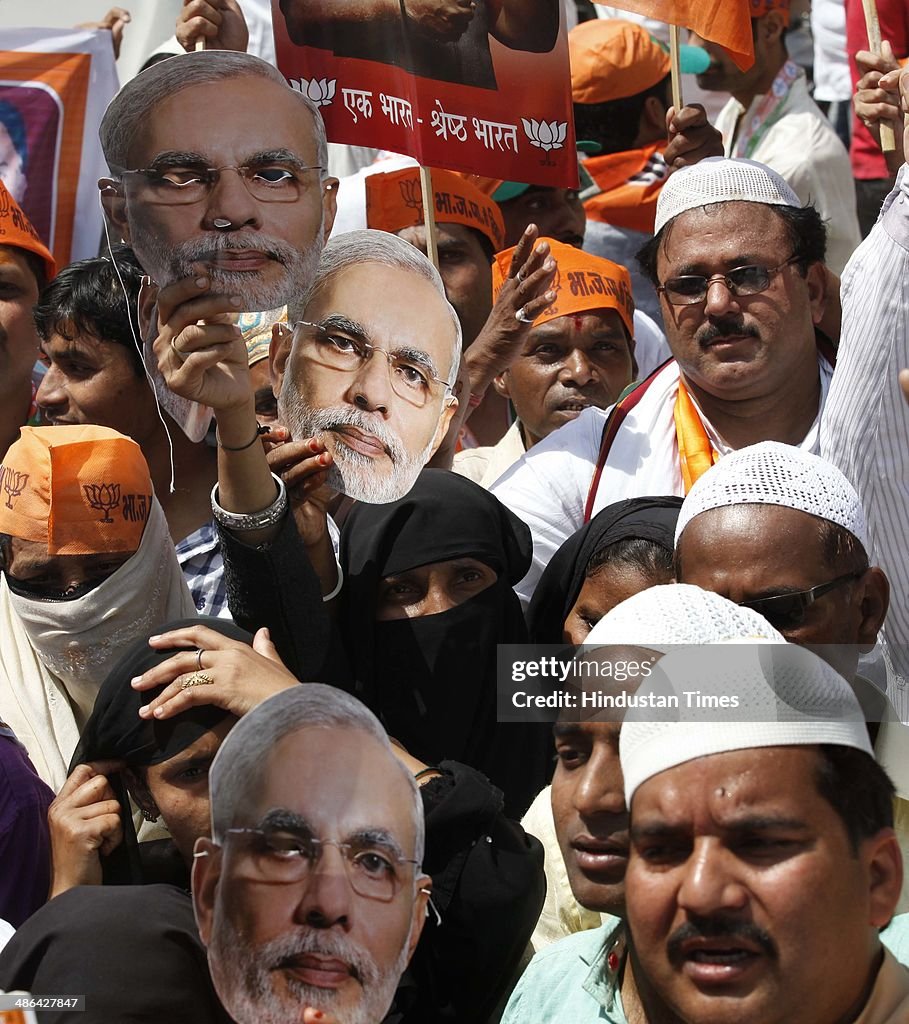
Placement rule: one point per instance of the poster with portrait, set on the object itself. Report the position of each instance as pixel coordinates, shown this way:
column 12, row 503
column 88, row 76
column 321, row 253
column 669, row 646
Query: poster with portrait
column 54, row 87
column 473, row 85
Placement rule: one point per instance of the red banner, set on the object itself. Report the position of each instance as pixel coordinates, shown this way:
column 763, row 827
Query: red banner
column 474, row 85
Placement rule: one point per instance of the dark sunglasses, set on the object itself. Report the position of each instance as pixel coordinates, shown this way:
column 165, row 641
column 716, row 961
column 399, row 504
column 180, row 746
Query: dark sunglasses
column 787, row 611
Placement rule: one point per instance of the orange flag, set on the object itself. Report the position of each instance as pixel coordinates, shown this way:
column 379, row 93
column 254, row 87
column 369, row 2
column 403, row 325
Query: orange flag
column 727, row 22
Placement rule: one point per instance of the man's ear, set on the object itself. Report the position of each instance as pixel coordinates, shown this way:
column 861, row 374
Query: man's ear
column 420, row 909
column 114, row 204
column 148, row 298
column 500, row 383
column 451, row 407
column 329, row 205
column 885, row 876
column 874, row 601
column 206, row 874
column 139, row 791
column 817, row 281
column 278, row 354
column 652, row 122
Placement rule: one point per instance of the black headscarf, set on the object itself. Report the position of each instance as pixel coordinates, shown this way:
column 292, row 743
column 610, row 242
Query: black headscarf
column 650, row 519
column 114, row 730
column 432, row 680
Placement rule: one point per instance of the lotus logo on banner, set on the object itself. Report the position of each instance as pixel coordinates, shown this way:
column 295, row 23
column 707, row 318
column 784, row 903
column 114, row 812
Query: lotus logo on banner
column 545, row 134
column 320, row 90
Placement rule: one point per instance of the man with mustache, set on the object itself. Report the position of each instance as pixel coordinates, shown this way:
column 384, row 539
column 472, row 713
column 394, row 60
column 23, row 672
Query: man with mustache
column 763, row 860
column 578, row 354
column 310, row 896
column 738, row 263
column 202, row 183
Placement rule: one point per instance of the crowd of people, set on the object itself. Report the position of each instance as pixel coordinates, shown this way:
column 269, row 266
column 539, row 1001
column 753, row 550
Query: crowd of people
column 284, row 503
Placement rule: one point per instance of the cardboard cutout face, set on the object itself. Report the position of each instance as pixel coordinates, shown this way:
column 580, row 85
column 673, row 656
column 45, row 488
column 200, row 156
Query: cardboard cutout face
column 369, row 379
column 314, row 901
column 212, row 187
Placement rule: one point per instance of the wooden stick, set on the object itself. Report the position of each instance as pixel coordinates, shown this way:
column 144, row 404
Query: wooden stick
column 888, row 141
column 675, row 69
column 429, row 216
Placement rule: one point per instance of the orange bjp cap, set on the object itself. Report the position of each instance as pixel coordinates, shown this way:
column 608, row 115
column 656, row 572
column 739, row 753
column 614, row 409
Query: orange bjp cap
column 611, row 59
column 394, row 200
column 82, row 490
column 16, row 230
column 583, row 283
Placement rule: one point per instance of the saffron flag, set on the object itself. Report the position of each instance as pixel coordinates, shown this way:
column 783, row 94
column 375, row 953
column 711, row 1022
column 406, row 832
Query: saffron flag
column 727, row 22
column 482, row 87
column 54, row 88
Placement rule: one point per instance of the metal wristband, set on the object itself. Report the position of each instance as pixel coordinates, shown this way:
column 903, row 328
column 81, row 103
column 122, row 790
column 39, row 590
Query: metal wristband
column 270, row 516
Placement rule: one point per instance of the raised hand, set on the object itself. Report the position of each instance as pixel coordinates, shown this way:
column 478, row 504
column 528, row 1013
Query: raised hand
column 242, row 676
column 84, row 822
column 200, row 350
column 219, row 22
column 691, row 137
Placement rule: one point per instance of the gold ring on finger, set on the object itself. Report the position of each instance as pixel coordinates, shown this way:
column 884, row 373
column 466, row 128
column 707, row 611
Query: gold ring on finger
column 180, row 355
column 196, row 679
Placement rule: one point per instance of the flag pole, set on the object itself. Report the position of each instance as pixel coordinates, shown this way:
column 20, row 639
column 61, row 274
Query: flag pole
column 429, row 216
column 676, row 70
column 888, row 141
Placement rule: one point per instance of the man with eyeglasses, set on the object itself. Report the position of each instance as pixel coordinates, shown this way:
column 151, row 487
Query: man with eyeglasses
column 738, row 263
column 218, row 169
column 781, row 531
column 310, row 895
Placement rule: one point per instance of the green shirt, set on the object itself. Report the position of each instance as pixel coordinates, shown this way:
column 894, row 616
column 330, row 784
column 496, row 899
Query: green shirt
column 573, row 981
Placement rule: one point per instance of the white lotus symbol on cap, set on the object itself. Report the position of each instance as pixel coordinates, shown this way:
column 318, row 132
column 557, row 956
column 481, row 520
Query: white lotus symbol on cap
column 320, row 90
column 546, row 135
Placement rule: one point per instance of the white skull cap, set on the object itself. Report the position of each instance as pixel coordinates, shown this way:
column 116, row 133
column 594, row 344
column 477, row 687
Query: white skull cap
column 787, row 696
column 679, row 613
column 771, row 473
column 721, row 180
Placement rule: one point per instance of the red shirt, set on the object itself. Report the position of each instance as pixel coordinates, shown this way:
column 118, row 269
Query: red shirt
column 867, row 159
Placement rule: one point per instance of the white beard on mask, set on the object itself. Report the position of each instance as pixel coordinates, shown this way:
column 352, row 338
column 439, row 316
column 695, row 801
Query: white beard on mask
column 169, row 263
column 244, row 976
column 353, row 473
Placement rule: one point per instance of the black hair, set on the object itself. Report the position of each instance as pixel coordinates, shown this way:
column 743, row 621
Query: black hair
column 6, row 551
column 87, row 298
column 614, row 124
column 644, row 556
column 858, row 789
column 805, row 232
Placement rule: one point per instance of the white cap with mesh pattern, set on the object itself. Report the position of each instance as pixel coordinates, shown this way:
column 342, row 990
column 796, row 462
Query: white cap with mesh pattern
column 787, row 696
column 678, row 613
column 771, row 473
column 719, row 179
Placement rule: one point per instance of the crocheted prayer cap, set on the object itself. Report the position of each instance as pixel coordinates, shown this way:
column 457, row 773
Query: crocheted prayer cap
column 787, row 696
column 771, row 473
column 679, row 613
column 721, row 180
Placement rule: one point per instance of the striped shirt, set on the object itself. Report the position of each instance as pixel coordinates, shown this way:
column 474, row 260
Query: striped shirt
column 865, row 427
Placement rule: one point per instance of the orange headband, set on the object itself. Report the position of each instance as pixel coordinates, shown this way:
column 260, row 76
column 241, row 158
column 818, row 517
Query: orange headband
column 82, row 490
column 394, row 201
column 583, row 283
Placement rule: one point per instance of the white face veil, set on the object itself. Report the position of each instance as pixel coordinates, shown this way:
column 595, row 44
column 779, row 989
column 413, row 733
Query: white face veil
column 54, row 655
